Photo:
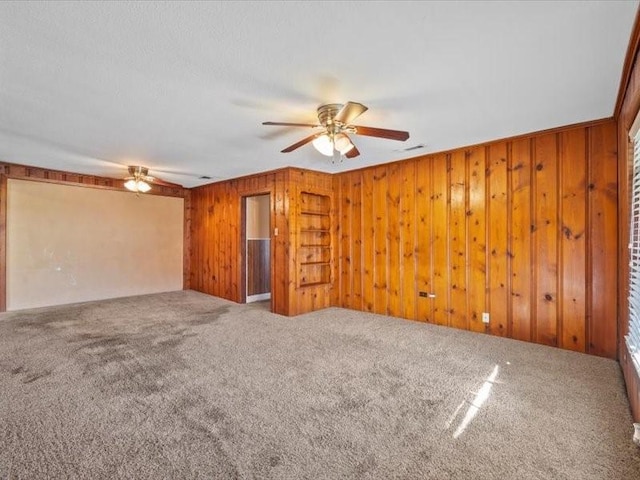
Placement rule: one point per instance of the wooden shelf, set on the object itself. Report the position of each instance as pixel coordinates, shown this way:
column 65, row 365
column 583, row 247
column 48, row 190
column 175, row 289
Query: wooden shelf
column 315, row 284
column 310, row 212
column 314, row 236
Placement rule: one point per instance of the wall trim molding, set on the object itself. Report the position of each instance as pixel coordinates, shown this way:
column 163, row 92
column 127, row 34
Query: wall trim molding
column 629, row 61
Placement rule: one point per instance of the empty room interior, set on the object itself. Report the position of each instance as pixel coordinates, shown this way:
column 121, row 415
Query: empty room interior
column 320, row 240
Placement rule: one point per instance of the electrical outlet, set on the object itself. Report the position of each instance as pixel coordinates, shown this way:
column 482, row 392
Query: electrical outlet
column 485, row 317
column 423, row 294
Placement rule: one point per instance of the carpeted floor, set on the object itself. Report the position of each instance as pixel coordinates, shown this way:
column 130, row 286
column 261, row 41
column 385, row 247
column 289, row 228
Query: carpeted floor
column 183, row 385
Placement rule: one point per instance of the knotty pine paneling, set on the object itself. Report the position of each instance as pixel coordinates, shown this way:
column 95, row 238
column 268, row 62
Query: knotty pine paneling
column 216, row 256
column 476, row 237
column 304, row 299
column 422, row 241
column 408, row 238
column 440, row 238
column 216, row 230
column 521, row 228
column 627, row 109
column 258, row 266
column 522, row 277
column 545, row 238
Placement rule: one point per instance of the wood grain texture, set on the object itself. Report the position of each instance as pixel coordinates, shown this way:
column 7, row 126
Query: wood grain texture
column 258, row 266
column 311, row 191
column 408, row 240
column 498, row 249
column 573, row 197
column 545, row 223
column 186, row 232
column 520, row 240
column 381, row 293
column 216, row 231
column 394, row 265
column 440, row 239
column 627, row 109
column 603, row 238
column 477, row 237
column 423, row 239
column 458, row 255
column 505, row 228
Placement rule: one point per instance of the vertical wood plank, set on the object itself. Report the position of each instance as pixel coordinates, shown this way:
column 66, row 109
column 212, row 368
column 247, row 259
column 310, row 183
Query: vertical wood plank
column 498, row 236
column 394, row 264
column 368, row 236
column 423, row 240
column 407, row 225
column 440, row 239
column 281, row 255
column 603, row 238
column 477, row 249
column 573, row 163
column 346, row 214
column 186, row 242
column 546, row 239
column 520, row 241
column 356, row 238
column 380, row 185
column 458, row 240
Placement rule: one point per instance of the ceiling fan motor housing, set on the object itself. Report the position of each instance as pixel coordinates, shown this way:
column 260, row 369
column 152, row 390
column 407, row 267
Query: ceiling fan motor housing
column 326, row 113
column 138, row 171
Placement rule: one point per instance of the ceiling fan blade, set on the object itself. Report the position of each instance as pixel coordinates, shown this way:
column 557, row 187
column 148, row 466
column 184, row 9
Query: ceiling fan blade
column 381, row 133
column 354, row 152
column 285, row 124
column 302, row 142
column 349, row 112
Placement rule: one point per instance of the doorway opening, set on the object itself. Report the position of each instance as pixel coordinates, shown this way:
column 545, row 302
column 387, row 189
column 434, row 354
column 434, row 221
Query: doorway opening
column 257, row 248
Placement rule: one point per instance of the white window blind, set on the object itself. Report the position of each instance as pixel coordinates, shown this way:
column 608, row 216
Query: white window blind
column 633, row 337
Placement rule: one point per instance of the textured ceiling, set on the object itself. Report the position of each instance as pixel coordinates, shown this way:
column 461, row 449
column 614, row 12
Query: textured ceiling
column 184, row 87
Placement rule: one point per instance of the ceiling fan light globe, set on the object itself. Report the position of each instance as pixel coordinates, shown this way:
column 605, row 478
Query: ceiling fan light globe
column 343, row 144
column 324, row 145
column 143, row 187
column 131, row 185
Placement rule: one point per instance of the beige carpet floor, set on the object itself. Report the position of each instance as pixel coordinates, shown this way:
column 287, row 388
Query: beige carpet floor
column 183, row 386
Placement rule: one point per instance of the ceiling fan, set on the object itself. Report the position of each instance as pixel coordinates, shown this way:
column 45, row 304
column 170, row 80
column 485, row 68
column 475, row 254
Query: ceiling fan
column 139, row 180
column 334, row 120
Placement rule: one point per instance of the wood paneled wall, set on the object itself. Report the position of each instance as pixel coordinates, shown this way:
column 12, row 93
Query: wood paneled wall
column 216, row 256
column 304, row 299
column 258, row 266
column 216, row 262
column 628, row 108
column 524, row 229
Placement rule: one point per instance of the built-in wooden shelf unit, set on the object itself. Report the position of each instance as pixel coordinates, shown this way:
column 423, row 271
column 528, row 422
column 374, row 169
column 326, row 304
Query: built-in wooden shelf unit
column 314, row 240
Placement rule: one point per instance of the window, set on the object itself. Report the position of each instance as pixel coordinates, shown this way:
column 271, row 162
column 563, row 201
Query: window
column 633, row 337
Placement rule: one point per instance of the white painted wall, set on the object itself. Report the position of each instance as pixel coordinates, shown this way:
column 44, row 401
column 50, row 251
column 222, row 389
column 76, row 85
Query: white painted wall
column 69, row 244
column 258, row 217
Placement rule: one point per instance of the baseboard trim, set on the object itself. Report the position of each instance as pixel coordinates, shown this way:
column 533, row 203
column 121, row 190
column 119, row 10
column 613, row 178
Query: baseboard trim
column 259, row 297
